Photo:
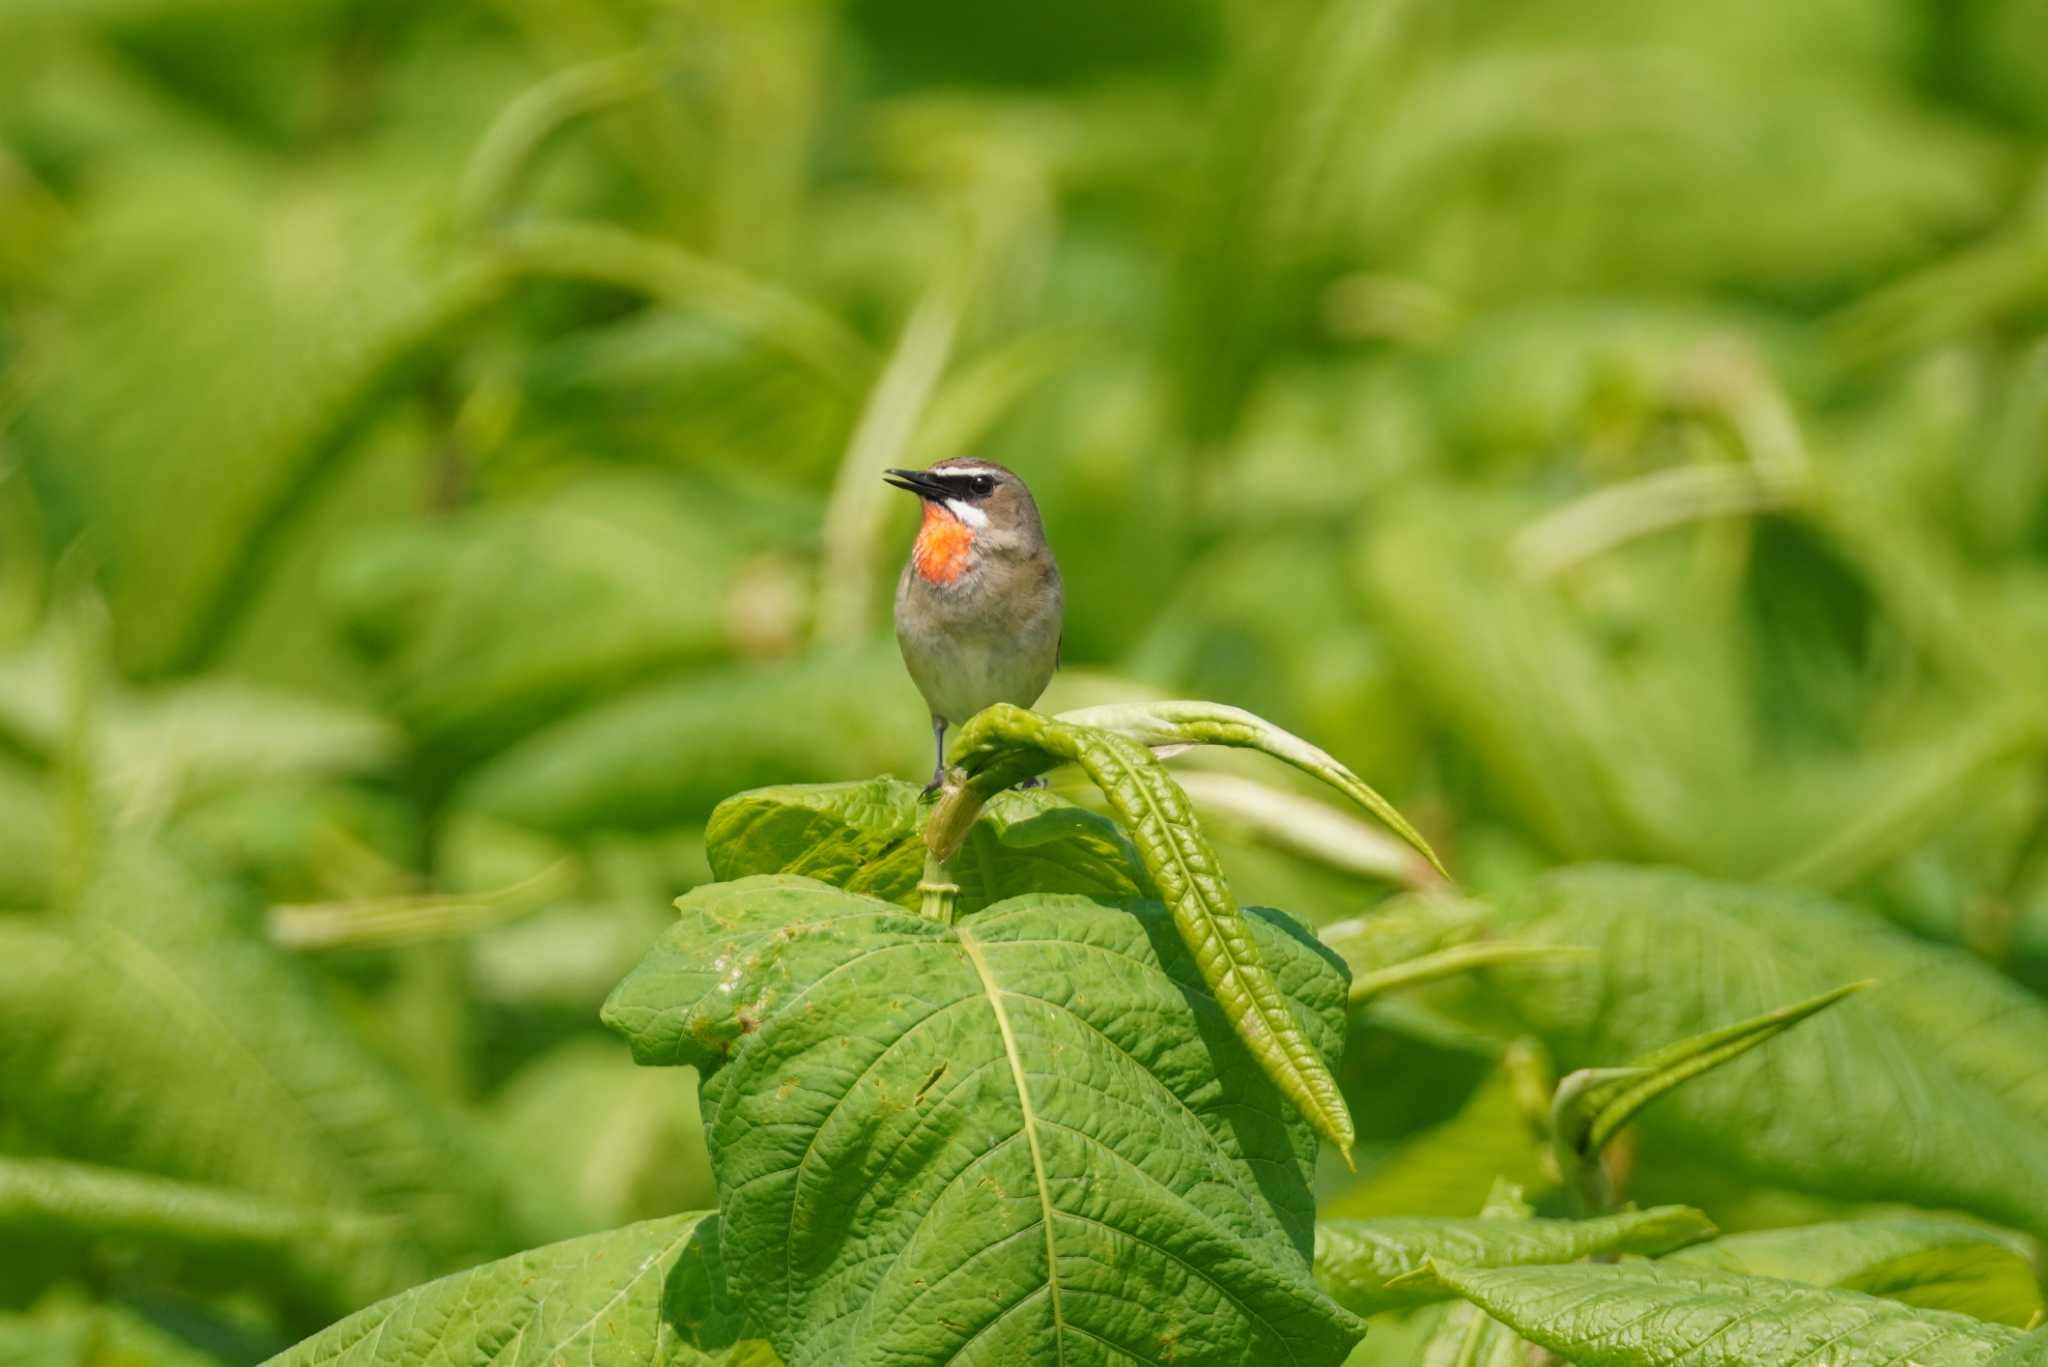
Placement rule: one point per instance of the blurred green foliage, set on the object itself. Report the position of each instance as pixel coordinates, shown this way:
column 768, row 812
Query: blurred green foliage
column 438, row 463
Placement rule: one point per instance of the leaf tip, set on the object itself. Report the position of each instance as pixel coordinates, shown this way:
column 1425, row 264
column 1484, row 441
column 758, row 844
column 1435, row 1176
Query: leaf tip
column 1428, row 1277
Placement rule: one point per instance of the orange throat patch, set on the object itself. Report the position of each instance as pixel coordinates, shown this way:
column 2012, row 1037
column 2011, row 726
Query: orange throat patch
column 943, row 547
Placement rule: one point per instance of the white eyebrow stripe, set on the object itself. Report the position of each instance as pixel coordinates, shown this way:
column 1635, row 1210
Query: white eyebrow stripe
column 948, row 471
column 967, row 512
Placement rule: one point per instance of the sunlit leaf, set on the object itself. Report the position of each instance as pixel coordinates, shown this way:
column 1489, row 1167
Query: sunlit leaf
column 1941, row 1264
column 869, row 837
column 1203, row 723
column 1005, row 744
column 1650, row 1314
column 1356, row 1259
column 1028, row 1133
column 645, row 1293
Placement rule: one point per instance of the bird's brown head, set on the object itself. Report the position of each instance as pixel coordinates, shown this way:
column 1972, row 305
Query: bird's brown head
column 973, row 508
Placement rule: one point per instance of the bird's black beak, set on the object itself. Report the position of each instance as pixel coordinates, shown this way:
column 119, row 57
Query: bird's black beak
column 917, row 482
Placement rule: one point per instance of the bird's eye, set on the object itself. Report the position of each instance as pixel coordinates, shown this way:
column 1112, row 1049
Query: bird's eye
column 982, row 485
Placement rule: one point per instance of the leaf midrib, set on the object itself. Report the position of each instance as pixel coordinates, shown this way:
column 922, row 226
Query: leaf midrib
column 1030, row 1126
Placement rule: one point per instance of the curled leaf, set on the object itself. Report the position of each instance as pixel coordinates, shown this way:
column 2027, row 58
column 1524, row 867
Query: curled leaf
column 1156, row 724
column 1594, row 1103
column 1005, row 744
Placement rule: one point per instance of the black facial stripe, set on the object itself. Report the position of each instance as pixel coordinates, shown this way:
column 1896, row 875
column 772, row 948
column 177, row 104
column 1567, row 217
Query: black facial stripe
column 965, row 485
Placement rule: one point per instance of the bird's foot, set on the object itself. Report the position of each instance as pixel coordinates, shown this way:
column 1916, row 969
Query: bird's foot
column 1037, row 781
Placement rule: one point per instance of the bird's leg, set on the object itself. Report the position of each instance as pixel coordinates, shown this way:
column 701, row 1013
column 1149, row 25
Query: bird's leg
column 938, row 764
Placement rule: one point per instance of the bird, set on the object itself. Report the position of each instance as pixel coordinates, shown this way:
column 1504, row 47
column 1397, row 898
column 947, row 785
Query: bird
column 980, row 608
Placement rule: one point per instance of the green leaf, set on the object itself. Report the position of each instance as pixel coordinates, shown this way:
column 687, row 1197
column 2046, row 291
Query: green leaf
column 1406, row 927
column 1943, row 1053
column 203, row 1055
column 1922, row 1260
column 625, row 1298
column 47, row 1198
column 868, row 837
column 1356, row 1259
column 1464, row 1336
column 1158, row 724
column 1652, row 1314
column 1028, row 1134
column 1004, row 744
column 2031, row 1351
column 1446, row 963
column 1594, row 1103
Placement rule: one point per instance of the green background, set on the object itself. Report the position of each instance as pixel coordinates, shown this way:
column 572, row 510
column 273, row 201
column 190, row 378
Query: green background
column 439, row 461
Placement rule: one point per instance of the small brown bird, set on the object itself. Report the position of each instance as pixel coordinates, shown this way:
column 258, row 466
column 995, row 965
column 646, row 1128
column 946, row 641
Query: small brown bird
column 980, row 606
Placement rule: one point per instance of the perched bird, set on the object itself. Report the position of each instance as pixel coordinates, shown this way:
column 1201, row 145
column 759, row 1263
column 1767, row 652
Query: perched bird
column 979, row 606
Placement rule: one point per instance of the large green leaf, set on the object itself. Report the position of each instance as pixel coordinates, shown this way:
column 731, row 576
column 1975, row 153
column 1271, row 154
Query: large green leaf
column 1651, row 1314
column 869, row 837
column 1919, row 1259
column 626, row 1298
column 1356, row 1259
column 203, row 1055
column 1926, row 1088
column 1030, row 1135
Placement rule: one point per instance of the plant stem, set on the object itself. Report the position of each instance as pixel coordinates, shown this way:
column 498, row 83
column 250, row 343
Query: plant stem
column 935, row 892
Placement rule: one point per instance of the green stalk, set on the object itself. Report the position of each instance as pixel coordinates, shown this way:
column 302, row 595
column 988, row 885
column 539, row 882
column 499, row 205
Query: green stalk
column 936, row 892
